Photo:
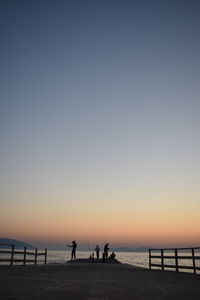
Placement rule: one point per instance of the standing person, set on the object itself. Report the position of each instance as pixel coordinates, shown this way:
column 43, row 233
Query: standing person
column 73, row 253
column 97, row 249
column 106, row 248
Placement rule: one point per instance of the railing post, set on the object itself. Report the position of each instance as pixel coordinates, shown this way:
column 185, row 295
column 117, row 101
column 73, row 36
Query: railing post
column 193, row 260
column 150, row 259
column 24, row 256
column 12, row 255
column 176, row 259
column 35, row 256
column 45, row 256
column 162, row 259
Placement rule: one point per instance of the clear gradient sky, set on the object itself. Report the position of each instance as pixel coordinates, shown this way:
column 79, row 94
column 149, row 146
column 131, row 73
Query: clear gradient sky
column 100, row 126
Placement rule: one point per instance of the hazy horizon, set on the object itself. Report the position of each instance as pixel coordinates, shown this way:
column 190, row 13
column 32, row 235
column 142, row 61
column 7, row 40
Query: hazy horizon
column 100, row 122
column 87, row 245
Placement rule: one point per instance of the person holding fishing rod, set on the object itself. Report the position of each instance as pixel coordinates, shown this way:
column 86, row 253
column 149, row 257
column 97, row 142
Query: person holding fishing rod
column 106, row 248
column 73, row 253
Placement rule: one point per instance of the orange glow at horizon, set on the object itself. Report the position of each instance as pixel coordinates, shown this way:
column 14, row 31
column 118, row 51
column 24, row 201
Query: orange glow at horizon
column 120, row 227
column 140, row 217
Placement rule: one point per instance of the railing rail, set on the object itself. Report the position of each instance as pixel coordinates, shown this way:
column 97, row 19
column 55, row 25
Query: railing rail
column 24, row 254
column 176, row 257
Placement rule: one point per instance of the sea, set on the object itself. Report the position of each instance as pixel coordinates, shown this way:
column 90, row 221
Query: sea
column 140, row 259
column 134, row 258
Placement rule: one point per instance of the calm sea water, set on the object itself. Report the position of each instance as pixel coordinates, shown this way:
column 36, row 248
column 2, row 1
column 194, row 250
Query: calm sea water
column 140, row 259
column 137, row 258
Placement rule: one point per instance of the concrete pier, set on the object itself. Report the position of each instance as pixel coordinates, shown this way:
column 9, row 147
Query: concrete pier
column 95, row 281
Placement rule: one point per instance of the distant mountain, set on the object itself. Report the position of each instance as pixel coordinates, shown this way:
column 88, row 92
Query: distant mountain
column 141, row 249
column 18, row 244
column 121, row 249
column 126, row 249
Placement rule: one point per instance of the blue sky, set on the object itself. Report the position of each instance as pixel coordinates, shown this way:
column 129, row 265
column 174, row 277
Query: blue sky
column 99, row 98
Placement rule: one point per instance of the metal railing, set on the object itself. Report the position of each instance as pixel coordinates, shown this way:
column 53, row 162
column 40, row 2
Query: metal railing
column 12, row 251
column 162, row 256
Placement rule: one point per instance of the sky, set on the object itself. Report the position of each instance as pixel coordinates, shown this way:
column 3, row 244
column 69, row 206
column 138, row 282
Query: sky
column 99, row 122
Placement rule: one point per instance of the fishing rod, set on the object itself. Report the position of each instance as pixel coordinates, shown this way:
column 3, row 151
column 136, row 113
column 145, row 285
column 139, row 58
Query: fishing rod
column 88, row 244
column 106, row 238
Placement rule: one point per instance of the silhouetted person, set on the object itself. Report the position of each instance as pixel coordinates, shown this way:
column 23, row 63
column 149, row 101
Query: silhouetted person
column 103, row 257
column 106, row 248
column 91, row 256
column 113, row 255
column 97, row 249
column 73, row 253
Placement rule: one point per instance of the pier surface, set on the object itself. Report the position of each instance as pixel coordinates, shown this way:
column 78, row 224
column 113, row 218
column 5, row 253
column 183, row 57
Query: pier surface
column 95, row 281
